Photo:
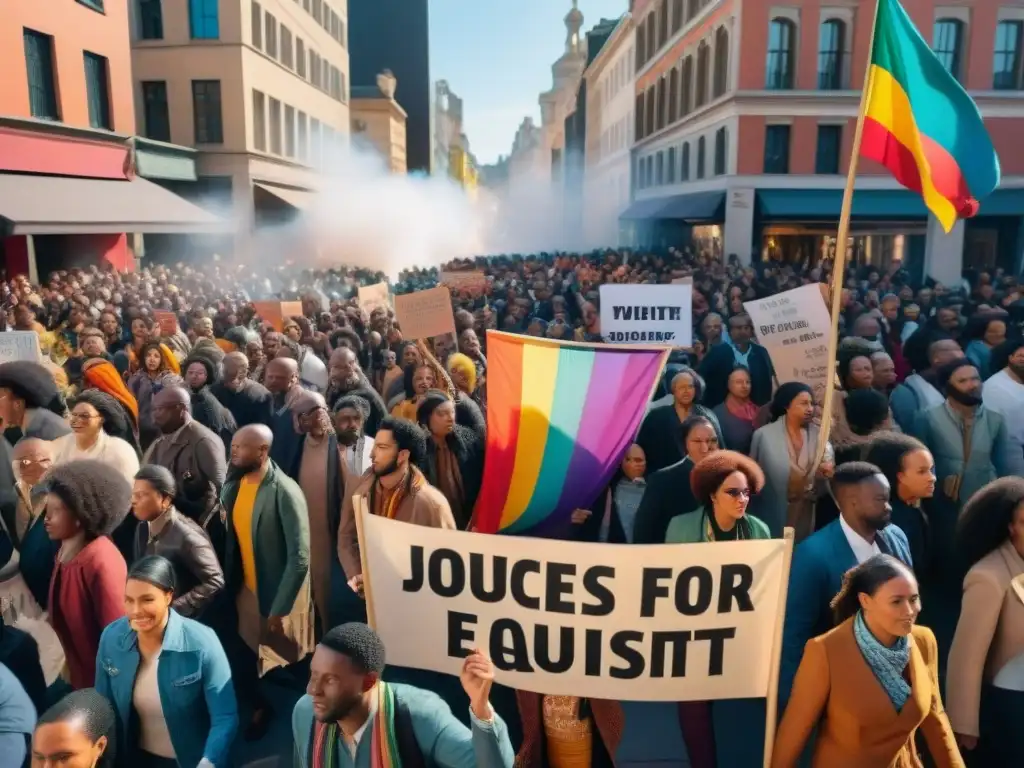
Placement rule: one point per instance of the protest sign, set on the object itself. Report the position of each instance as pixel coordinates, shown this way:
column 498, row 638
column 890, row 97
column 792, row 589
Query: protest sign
column 647, row 314
column 168, row 322
column 474, row 283
column 425, row 313
column 19, row 345
column 672, row 622
column 373, row 296
column 275, row 312
column 794, row 327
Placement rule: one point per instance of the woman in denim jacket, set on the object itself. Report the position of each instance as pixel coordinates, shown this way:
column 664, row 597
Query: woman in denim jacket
column 167, row 677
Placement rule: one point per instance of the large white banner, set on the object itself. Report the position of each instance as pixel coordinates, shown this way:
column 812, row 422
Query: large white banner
column 647, row 314
column 794, row 326
column 668, row 622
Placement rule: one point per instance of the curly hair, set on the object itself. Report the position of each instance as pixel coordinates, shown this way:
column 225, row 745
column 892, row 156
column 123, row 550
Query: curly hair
column 866, row 578
column 408, row 437
column 359, row 643
column 711, row 471
column 409, row 373
column 356, row 403
column 93, row 714
column 96, row 493
column 845, row 361
column 115, row 422
column 984, row 523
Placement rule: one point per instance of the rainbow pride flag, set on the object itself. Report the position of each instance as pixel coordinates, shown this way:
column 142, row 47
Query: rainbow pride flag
column 920, row 123
column 560, row 417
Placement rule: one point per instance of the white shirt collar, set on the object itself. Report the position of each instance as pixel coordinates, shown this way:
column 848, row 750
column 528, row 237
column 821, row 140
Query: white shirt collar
column 862, row 549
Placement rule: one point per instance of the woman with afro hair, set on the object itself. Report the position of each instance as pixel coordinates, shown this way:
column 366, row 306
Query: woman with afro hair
column 985, row 674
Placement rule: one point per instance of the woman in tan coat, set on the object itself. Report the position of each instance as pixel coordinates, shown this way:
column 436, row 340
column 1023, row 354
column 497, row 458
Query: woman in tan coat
column 871, row 682
column 985, row 679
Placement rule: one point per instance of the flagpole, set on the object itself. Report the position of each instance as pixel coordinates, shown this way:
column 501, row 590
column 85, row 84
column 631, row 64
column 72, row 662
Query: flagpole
column 842, row 236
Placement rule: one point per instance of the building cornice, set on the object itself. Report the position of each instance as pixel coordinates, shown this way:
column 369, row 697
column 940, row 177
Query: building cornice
column 608, row 50
column 55, row 128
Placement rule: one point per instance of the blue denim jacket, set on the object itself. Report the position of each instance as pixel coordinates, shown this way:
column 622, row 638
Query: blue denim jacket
column 196, row 692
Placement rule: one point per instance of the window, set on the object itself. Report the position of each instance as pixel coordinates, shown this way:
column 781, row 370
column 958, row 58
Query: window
column 684, row 170
column 641, row 50
column 670, row 175
column 334, row 25
column 286, row 47
column 639, row 116
column 157, row 121
column 314, row 141
column 259, row 121
column 97, row 90
column 335, row 83
column 305, row 5
column 673, row 95
column 830, row 55
column 662, row 23
column 686, row 94
column 151, row 20
column 659, row 164
column 649, row 117
column 721, row 77
column 289, row 131
column 830, row 140
column 779, row 68
column 303, row 152
column 314, row 68
column 270, row 36
column 316, row 10
column 652, row 44
column 649, row 170
column 206, row 115
column 677, row 15
column 202, row 19
column 702, row 74
column 721, row 149
column 701, row 151
column 300, row 57
column 1006, row 66
column 947, row 40
column 659, row 118
column 342, row 33
column 776, row 149
column 325, row 74
column 343, row 95
column 257, row 26
column 42, row 86
column 275, row 126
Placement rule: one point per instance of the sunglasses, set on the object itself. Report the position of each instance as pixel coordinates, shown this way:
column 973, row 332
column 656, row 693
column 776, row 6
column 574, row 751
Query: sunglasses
column 738, row 493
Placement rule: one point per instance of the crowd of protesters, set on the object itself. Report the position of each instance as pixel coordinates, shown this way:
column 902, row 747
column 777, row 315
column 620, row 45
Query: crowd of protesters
column 176, row 512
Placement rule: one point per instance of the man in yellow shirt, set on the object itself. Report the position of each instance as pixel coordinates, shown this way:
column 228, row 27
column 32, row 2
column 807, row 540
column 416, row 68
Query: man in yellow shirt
column 267, row 569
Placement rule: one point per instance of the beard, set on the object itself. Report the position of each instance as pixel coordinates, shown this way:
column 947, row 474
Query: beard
column 246, row 468
column 348, row 437
column 964, row 398
column 340, row 710
column 1017, row 370
column 388, row 470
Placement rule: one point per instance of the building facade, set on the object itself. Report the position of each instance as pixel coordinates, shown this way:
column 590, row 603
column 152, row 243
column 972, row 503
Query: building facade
column 609, row 136
column 447, row 125
column 379, row 120
column 259, row 87
column 745, row 115
column 70, row 189
column 395, row 35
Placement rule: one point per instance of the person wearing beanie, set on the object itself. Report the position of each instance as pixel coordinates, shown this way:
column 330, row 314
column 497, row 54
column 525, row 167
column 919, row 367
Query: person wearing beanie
column 85, row 502
column 454, row 460
column 200, row 374
column 26, row 391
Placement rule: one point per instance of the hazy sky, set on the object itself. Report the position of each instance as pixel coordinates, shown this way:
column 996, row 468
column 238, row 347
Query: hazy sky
column 496, row 56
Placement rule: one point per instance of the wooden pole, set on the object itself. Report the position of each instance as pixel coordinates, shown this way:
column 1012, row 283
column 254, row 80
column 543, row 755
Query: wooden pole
column 839, row 265
column 772, row 714
column 361, row 510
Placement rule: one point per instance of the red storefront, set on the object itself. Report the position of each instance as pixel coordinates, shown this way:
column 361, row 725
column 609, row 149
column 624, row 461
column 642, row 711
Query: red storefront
column 69, row 196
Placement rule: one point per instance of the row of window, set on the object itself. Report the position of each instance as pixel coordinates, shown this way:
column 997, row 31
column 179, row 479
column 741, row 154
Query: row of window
column 616, row 137
column 282, row 130
column 203, row 20
column 207, row 117
column 661, row 168
column 325, row 16
column 684, row 88
column 42, row 81
column 947, row 41
column 277, row 41
column 826, row 156
column 618, row 77
column 661, row 24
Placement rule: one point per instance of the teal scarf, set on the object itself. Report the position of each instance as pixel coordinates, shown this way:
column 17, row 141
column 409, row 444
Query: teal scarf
column 888, row 664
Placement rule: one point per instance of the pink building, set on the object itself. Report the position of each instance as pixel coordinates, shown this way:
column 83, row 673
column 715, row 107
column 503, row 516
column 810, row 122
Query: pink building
column 745, row 115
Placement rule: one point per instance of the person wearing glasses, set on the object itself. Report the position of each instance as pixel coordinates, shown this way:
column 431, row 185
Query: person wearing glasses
column 722, row 483
column 100, row 431
column 26, row 547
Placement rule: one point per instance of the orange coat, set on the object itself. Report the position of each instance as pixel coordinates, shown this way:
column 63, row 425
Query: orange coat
column 858, row 726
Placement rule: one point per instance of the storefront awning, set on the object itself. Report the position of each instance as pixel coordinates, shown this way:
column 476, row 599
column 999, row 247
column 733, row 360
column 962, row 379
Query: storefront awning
column 58, row 205
column 1003, row 202
column 697, row 206
column 296, row 198
column 817, row 204
column 644, row 209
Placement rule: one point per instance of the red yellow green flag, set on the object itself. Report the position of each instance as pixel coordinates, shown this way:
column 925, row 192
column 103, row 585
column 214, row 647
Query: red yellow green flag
column 920, row 123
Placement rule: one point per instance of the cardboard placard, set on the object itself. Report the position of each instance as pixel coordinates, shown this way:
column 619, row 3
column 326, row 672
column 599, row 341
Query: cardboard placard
column 19, row 345
column 168, row 322
column 373, row 296
column 425, row 313
column 474, row 283
column 274, row 312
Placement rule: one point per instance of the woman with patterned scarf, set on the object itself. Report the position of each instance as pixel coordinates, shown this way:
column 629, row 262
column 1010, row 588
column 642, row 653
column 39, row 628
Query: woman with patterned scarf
column 871, row 683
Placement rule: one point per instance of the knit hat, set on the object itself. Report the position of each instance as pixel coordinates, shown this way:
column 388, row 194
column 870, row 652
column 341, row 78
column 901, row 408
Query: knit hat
column 97, row 494
column 432, row 398
column 28, row 381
